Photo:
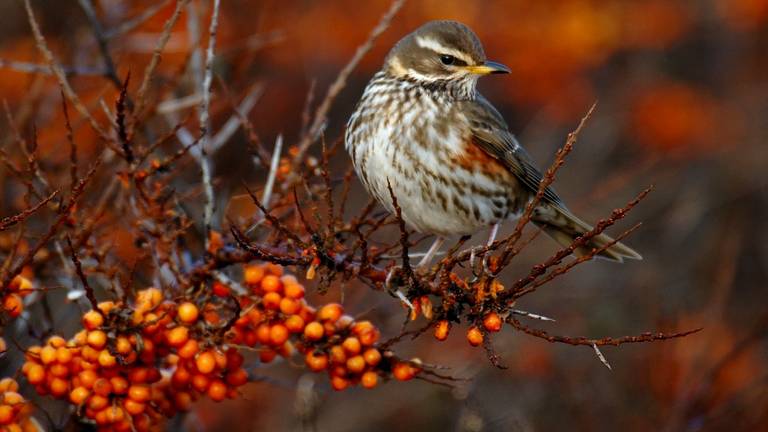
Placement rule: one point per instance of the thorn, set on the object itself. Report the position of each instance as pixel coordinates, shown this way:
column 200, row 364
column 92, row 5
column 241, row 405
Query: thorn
column 601, row 357
column 531, row 315
column 404, row 299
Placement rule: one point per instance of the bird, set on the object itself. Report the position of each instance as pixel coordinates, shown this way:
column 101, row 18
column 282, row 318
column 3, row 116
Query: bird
column 422, row 132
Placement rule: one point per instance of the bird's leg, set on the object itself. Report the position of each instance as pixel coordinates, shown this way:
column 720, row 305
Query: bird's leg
column 491, row 239
column 426, row 259
column 492, row 236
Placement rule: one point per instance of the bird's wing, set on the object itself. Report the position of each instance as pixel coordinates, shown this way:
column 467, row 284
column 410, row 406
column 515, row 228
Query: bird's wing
column 492, row 134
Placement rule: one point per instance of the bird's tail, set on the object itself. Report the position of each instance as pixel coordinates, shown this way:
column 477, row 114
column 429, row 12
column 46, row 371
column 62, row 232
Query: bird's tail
column 564, row 228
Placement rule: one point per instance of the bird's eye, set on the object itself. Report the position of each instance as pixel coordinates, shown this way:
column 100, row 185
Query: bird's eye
column 447, row 59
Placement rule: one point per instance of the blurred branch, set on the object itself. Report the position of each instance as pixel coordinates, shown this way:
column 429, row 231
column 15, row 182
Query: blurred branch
column 58, row 71
column 149, row 71
column 205, row 123
column 101, row 39
column 321, row 114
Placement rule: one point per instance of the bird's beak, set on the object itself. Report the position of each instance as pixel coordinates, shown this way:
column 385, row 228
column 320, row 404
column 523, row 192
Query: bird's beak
column 489, row 67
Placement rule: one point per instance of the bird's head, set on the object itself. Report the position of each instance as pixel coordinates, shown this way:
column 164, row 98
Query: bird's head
column 441, row 51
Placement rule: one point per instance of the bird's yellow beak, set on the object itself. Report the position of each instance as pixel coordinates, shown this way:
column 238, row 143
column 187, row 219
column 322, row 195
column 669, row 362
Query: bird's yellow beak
column 489, row 67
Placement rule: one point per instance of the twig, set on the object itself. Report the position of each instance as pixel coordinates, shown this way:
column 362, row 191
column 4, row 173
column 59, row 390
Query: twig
column 321, row 113
column 84, row 280
column 10, row 221
column 130, row 24
column 205, row 123
column 274, row 164
column 149, row 71
column 98, row 32
column 28, row 67
column 546, row 181
column 57, row 70
column 643, row 337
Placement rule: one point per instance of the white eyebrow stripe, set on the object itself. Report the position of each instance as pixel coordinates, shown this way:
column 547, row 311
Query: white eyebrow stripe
column 434, row 45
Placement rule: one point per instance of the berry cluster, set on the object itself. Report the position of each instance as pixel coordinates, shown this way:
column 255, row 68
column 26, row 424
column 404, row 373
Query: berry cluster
column 491, row 323
column 13, row 303
column 135, row 364
column 132, row 366
column 278, row 319
column 14, row 409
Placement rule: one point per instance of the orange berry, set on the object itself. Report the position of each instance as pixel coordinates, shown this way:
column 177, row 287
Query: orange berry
column 114, row 414
column 441, row 330
column 9, row 385
column 188, row 312
column 92, row 320
column 13, row 399
column 262, row 333
column 404, row 371
column 96, row 339
column 177, row 336
column 271, row 283
column 105, row 306
column 220, row 290
column 278, row 334
column 148, row 298
column 271, row 301
column 58, row 370
column 253, row 274
column 58, row 387
column 293, row 290
column 352, row 345
column 274, row 269
column 57, row 341
column 372, row 356
column 266, row 355
column 180, row 377
column 119, row 385
column 234, row 358
column 106, row 359
column 330, row 312
column 220, row 358
column 314, row 331
column 475, row 336
column 205, row 362
column 183, row 401
column 338, row 355
column 366, row 332
column 189, row 349
column 492, row 322
column 102, row 387
column 294, row 324
column 48, row 354
column 123, row 345
column 201, row 382
column 217, row 391
column 97, row 402
column 6, row 415
column 237, row 377
column 139, row 392
column 369, row 379
column 13, row 305
column 78, row 395
column 316, row 361
column 133, row 407
column 356, row 364
column 339, row 383
column 289, row 306
column 87, row 378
